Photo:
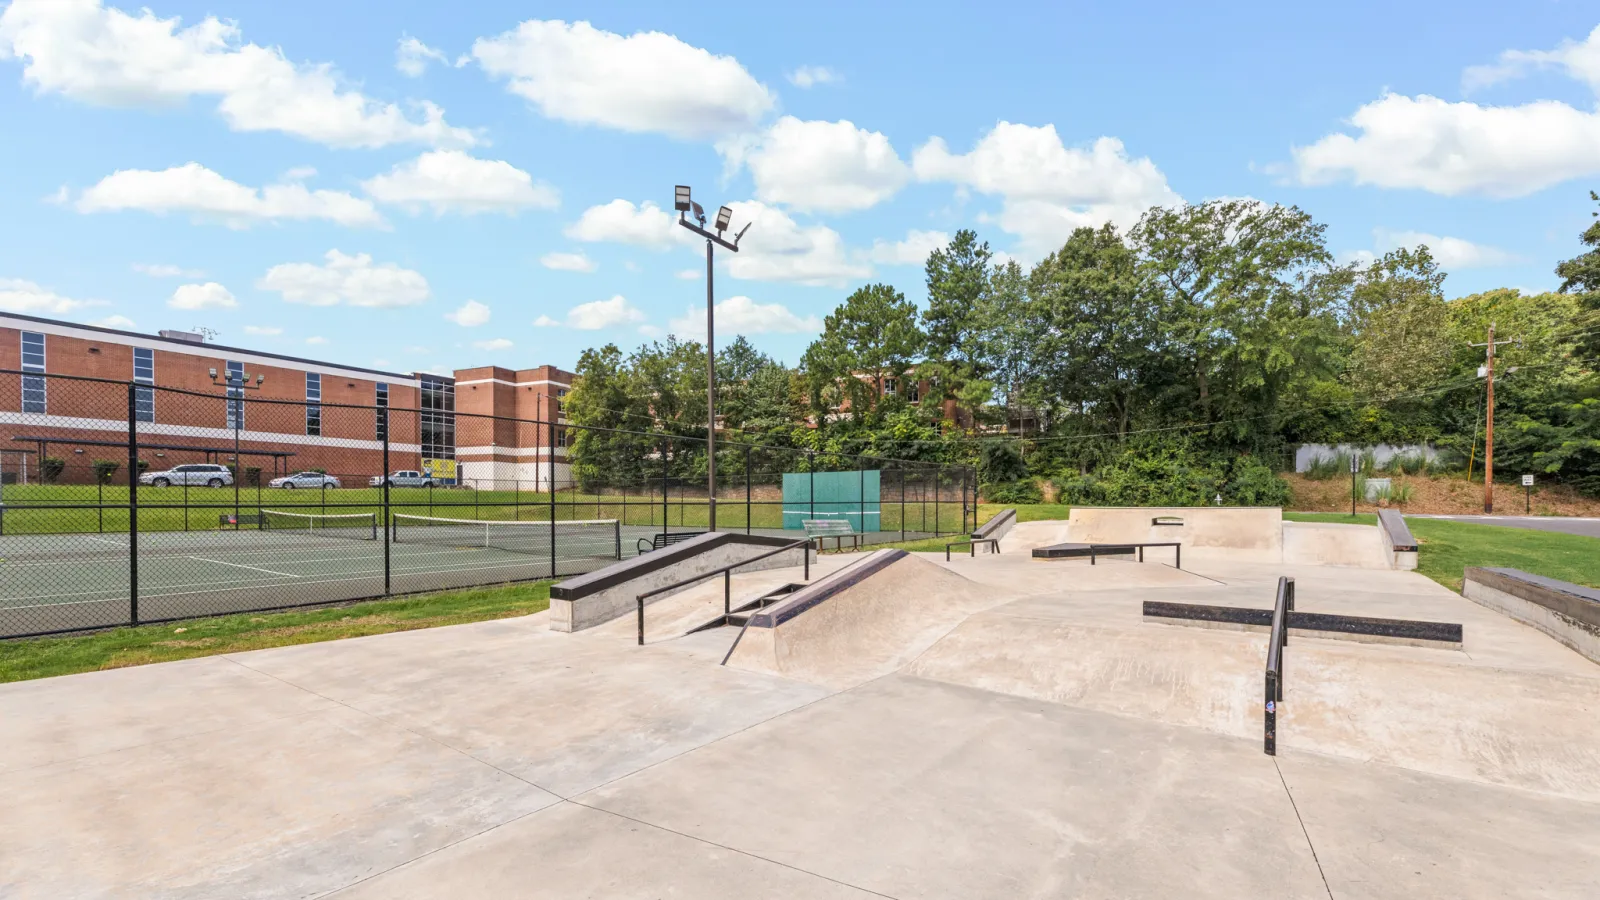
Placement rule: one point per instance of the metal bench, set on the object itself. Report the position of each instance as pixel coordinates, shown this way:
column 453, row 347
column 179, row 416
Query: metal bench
column 665, row 538
column 818, row 530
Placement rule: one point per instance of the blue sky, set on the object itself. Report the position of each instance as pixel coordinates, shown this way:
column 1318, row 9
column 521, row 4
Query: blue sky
column 425, row 186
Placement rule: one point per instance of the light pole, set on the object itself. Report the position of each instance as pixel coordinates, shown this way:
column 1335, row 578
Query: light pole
column 682, row 203
column 240, row 382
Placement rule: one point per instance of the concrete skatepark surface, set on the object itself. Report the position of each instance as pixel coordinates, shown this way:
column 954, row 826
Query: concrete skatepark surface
column 1030, row 737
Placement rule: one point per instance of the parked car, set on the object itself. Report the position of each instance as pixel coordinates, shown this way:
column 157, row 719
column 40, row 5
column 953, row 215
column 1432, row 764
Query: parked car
column 195, row 473
column 403, row 478
column 314, row 480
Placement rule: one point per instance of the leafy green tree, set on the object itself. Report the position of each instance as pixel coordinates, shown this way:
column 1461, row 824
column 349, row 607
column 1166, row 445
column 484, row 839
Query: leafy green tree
column 957, row 277
column 1399, row 346
column 1581, row 274
column 872, row 337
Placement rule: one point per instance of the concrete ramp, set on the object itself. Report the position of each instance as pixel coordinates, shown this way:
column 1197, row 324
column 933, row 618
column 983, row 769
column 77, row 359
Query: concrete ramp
column 861, row 622
column 1333, row 544
column 1238, row 533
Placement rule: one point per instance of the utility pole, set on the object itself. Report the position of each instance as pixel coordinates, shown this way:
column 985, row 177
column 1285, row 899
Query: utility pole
column 1488, row 422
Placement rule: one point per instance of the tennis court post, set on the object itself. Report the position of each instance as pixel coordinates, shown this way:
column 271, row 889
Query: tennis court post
column 133, row 505
column 549, row 408
column 383, row 415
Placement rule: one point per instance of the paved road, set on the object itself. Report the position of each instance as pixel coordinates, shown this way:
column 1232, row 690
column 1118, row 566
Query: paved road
column 1568, row 525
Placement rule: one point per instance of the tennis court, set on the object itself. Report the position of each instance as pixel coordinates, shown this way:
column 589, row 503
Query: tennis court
column 69, row 581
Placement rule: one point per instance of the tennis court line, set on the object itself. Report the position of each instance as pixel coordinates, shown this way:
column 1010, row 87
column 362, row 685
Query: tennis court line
column 243, row 566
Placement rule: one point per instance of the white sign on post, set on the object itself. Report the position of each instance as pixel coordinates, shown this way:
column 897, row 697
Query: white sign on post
column 1527, row 481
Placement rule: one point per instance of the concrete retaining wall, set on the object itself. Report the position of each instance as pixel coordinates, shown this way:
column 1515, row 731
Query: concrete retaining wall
column 1242, row 533
column 612, row 592
column 1567, row 612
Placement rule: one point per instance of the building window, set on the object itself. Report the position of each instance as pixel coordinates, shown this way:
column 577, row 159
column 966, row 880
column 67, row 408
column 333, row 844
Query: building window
column 144, row 373
column 913, row 393
column 236, row 396
column 889, row 386
column 313, row 403
column 438, row 418
column 33, row 389
column 561, row 437
column 383, row 412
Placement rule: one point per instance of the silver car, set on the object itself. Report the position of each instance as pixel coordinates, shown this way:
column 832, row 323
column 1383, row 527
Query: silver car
column 206, row 474
column 314, row 480
column 403, row 478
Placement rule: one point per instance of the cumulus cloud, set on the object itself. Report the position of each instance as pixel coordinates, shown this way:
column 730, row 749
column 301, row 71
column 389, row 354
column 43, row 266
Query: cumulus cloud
column 195, row 189
column 1449, row 252
column 810, row 76
column 158, row 270
column 913, row 251
column 25, row 297
column 823, row 166
column 209, row 295
column 596, row 315
column 454, row 181
column 779, row 249
column 1047, row 188
column 620, row 222
column 741, row 315
column 545, row 322
column 494, row 344
column 353, row 280
column 122, row 322
column 689, row 274
column 568, row 262
column 470, row 315
column 263, row 330
column 1580, row 61
column 96, row 54
column 411, row 57
column 644, row 82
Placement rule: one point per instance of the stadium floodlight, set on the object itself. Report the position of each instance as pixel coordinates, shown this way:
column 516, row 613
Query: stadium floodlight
column 680, row 198
column 724, row 217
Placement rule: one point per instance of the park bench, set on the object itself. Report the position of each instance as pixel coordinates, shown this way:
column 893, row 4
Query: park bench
column 665, row 538
column 819, row 530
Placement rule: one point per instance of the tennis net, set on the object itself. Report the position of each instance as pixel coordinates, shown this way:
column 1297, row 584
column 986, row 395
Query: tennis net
column 578, row 539
column 352, row 526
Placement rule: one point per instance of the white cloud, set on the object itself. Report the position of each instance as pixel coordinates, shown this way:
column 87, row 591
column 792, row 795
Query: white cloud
column 913, row 251
column 741, row 315
column 122, row 322
column 1579, row 59
column 300, row 173
column 493, row 344
column 348, row 279
column 1048, row 189
column 453, row 181
column 104, row 56
column 158, row 270
column 648, row 81
column 316, row 339
column 193, row 188
column 568, row 262
column 619, row 221
column 599, row 314
column 263, row 330
column 209, row 295
column 827, row 166
column 411, row 57
column 778, row 249
column 25, row 297
column 689, row 274
column 545, row 322
column 1457, row 148
column 470, row 315
column 1449, row 252
column 809, row 76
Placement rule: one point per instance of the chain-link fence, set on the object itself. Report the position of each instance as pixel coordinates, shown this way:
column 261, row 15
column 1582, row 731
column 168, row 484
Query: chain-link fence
column 126, row 503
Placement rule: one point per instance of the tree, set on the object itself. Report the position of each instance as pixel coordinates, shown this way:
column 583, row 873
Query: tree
column 872, row 337
column 1581, row 274
column 1397, row 312
column 957, row 277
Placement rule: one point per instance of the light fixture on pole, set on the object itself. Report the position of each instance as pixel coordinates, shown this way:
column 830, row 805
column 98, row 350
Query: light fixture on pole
column 682, row 202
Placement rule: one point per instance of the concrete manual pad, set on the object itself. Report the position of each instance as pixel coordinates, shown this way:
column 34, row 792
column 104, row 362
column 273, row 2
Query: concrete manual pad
column 558, row 853
column 289, row 808
column 917, row 789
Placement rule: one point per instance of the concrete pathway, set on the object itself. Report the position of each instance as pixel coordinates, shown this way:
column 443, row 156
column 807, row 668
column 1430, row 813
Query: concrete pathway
column 1050, row 745
column 1565, row 524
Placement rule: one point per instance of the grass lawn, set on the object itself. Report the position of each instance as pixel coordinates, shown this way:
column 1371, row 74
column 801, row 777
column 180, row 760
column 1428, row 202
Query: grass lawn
column 1445, row 548
column 43, row 657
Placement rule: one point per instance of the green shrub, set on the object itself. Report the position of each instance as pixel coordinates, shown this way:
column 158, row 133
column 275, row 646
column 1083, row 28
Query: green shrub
column 1000, row 462
column 1323, row 468
column 1024, row 491
column 51, row 467
column 1409, row 463
column 1253, row 483
column 1074, row 489
column 105, row 469
column 1401, row 493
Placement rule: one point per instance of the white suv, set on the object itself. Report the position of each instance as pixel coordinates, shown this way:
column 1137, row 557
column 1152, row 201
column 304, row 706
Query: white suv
column 405, row 478
column 197, row 473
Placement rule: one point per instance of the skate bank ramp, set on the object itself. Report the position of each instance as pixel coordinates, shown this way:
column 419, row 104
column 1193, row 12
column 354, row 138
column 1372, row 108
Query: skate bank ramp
column 861, row 622
column 1236, row 533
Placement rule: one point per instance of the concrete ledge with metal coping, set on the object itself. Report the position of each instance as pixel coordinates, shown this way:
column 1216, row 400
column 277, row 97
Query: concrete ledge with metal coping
column 609, row 593
column 820, row 590
column 1398, row 543
column 998, row 526
column 1363, row 629
column 1568, row 612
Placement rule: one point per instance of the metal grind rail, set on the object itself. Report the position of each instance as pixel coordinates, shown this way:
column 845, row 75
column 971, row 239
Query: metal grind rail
column 727, row 579
column 1281, row 608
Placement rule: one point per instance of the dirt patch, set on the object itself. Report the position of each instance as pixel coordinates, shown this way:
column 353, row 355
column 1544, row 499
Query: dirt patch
column 1442, row 495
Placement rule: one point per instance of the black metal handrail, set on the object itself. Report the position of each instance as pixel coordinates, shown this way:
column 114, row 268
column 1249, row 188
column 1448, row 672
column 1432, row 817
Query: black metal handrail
column 1281, row 608
column 727, row 579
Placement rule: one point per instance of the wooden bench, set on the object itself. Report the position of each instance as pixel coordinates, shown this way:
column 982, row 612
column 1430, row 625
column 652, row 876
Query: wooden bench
column 665, row 538
column 819, row 530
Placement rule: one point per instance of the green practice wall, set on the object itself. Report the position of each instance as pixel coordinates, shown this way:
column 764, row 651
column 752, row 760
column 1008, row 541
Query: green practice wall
column 851, row 496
